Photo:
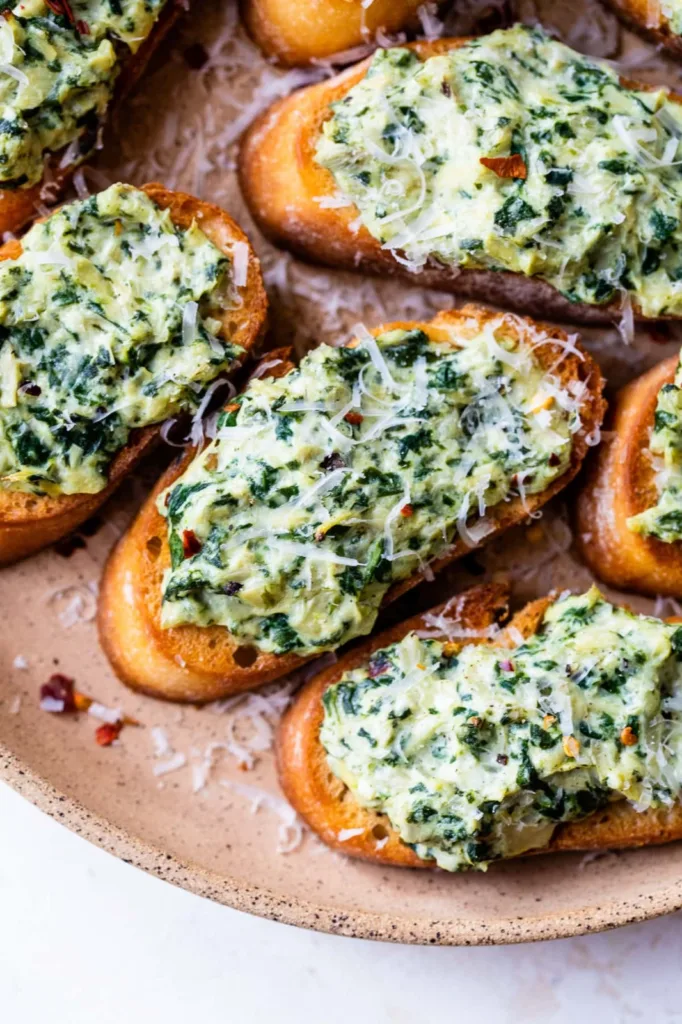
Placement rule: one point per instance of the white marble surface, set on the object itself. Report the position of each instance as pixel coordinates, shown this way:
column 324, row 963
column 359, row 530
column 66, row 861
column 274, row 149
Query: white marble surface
column 85, row 938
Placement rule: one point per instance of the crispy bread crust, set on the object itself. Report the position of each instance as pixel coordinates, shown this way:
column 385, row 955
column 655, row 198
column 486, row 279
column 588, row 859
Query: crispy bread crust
column 193, row 663
column 330, row 809
column 635, row 14
column 29, row 522
column 297, row 32
column 621, row 484
column 19, row 206
column 282, row 184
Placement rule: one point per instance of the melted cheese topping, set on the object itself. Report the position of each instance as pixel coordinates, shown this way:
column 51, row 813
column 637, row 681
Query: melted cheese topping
column 105, row 325
column 57, row 77
column 479, row 754
column 515, row 153
column 664, row 519
column 349, row 473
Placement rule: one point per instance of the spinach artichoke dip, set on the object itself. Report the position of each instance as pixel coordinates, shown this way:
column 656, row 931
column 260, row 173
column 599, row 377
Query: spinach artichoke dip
column 59, row 60
column 327, row 485
column 514, row 153
column 105, row 326
column 664, row 519
column 478, row 753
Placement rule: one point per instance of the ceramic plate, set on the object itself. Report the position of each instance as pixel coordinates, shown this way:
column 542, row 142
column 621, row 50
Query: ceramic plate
column 191, row 794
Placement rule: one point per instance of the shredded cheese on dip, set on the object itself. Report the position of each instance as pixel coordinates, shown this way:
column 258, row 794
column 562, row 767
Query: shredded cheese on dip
column 479, row 753
column 353, row 471
column 95, row 339
column 515, row 153
column 57, row 76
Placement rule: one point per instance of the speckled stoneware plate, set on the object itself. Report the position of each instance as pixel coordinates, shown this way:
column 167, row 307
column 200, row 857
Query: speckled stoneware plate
column 191, row 794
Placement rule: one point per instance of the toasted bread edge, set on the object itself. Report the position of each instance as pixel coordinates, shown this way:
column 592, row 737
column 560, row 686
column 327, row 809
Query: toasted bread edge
column 283, row 186
column 620, row 484
column 333, row 814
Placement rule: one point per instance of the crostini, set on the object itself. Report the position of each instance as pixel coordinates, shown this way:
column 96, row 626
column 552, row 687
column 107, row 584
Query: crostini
column 64, row 63
column 297, row 32
column 654, row 19
column 629, row 514
column 458, row 743
column 331, row 489
column 507, row 167
column 116, row 313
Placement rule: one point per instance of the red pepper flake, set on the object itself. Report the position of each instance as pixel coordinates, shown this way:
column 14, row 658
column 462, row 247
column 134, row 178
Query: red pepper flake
column 58, row 695
column 58, row 690
column 354, row 418
column 378, row 666
column 506, row 166
column 191, row 545
column 83, row 27
column 502, row 759
column 108, row 732
column 62, row 8
column 81, row 701
column 628, row 737
column 506, row 665
column 407, row 511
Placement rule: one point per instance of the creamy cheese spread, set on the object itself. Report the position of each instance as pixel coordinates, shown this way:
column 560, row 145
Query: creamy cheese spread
column 58, row 67
column 327, row 485
column 105, row 325
column 478, row 753
column 515, row 153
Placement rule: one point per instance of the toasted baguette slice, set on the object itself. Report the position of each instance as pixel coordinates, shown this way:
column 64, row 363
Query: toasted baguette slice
column 282, row 184
column 29, row 522
column 621, row 484
column 648, row 20
column 330, row 809
column 20, row 205
column 192, row 663
column 296, row 32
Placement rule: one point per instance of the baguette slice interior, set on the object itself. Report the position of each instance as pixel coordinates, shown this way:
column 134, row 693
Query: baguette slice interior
column 19, row 206
column 332, row 812
column 193, row 663
column 283, row 185
column 621, row 483
column 29, row 522
column 298, row 32
column 648, row 20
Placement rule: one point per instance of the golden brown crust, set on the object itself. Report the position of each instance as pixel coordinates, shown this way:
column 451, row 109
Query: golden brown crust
column 282, row 185
column 621, row 484
column 647, row 19
column 297, row 32
column 331, row 810
column 21, row 205
column 146, row 657
column 29, row 522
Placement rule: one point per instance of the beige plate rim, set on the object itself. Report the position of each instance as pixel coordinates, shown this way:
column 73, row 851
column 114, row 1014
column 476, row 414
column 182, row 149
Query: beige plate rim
column 266, row 903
